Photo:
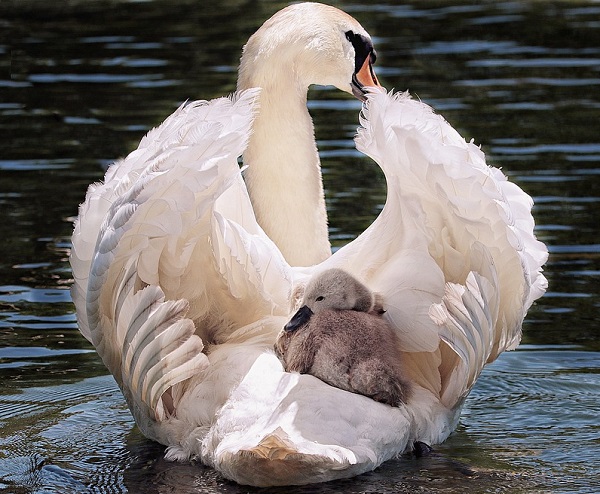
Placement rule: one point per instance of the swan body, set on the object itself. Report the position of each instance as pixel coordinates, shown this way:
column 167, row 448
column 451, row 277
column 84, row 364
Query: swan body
column 183, row 276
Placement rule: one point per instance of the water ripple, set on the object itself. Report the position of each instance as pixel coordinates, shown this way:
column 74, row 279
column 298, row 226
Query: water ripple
column 522, row 78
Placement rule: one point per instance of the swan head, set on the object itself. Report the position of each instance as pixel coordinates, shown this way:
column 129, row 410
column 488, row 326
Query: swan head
column 309, row 43
column 333, row 289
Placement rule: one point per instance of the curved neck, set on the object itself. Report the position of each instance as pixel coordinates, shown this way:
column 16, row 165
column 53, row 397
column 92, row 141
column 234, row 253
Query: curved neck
column 284, row 173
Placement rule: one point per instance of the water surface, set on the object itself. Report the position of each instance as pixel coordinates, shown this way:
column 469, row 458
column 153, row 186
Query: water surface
column 84, row 80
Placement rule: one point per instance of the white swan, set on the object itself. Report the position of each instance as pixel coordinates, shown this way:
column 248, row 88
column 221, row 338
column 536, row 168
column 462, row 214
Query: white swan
column 183, row 293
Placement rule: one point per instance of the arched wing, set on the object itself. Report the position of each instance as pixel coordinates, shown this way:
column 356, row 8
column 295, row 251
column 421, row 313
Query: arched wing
column 451, row 225
column 167, row 255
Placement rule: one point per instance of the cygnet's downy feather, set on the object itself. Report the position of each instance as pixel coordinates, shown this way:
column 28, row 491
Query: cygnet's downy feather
column 337, row 337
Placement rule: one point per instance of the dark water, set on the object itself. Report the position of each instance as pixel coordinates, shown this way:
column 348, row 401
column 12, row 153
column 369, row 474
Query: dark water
column 82, row 81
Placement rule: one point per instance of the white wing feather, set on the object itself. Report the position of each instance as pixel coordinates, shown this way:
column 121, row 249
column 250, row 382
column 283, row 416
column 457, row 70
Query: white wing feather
column 155, row 262
column 451, row 224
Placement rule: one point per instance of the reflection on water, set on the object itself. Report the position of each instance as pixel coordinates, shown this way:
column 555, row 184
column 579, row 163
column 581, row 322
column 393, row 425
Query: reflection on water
column 78, row 434
column 88, row 78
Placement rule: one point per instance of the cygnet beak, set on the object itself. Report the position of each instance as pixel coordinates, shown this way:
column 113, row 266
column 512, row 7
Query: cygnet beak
column 299, row 319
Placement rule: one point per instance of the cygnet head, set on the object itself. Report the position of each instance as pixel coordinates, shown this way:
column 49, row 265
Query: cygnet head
column 309, row 43
column 333, row 289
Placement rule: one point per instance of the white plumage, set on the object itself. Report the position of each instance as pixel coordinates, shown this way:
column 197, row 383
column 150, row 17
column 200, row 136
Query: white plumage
column 183, row 293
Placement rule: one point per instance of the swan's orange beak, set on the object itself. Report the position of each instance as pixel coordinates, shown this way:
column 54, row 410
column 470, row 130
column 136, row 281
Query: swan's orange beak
column 364, row 78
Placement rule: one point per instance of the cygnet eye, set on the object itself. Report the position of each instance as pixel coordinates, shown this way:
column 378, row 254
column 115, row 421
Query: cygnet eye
column 319, row 298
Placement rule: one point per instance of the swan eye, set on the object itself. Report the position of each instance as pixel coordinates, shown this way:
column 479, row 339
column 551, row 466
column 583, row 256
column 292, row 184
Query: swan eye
column 319, row 298
column 363, row 49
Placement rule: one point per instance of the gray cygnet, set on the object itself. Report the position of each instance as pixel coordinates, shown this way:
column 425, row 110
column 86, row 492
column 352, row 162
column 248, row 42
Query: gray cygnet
column 340, row 336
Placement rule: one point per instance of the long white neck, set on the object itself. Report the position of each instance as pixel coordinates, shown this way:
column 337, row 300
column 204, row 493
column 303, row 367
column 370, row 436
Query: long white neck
column 284, row 173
